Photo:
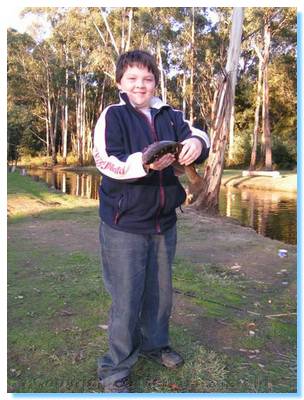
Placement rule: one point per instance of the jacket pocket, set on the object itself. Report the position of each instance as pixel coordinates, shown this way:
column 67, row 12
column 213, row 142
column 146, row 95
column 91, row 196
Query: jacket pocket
column 141, row 202
column 114, row 200
column 175, row 196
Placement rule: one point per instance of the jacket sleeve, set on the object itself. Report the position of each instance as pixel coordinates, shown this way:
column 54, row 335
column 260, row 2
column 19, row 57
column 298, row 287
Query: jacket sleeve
column 185, row 130
column 109, row 152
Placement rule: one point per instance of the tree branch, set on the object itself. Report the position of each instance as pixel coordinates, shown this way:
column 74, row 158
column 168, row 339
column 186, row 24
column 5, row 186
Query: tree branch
column 103, row 14
column 39, row 116
column 129, row 28
column 44, row 141
column 109, row 75
column 99, row 32
column 257, row 50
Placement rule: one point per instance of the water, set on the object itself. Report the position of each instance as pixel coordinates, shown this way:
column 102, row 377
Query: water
column 270, row 213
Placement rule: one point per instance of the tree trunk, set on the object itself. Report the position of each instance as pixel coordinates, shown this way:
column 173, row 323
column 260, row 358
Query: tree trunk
column 65, row 118
column 208, row 197
column 50, row 119
column 101, row 104
column 78, row 123
column 257, row 115
column 129, row 29
column 83, row 120
column 122, row 41
column 191, row 101
column 184, row 93
column 47, row 130
column 231, row 137
column 162, row 75
column 265, row 111
column 54, row 150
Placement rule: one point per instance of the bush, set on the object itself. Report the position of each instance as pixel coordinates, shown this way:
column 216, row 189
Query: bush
column 241, row 151
column 282, row 156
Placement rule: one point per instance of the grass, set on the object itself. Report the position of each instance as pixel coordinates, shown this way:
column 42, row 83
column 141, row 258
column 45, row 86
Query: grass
column 286, row 183
column 204, row 372
column 55, row 308
column 58, row 307
column 27, row 197
column 204, row 282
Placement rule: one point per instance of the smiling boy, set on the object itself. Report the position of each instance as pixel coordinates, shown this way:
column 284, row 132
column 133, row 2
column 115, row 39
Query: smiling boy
column 138, row 218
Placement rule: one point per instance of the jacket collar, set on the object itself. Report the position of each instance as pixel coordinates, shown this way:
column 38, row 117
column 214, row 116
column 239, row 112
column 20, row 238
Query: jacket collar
column 155, row 102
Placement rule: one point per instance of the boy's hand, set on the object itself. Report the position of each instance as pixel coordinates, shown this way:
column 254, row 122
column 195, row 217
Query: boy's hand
column 191, row 150
column 163, row 162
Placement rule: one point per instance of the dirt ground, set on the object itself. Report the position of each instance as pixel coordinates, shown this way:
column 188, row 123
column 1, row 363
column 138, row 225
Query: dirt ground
column 201, row 239
column 223, row 241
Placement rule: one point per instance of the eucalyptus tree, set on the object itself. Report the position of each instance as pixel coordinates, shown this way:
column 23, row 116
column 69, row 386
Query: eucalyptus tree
column 156, row 31
column 84, row 41
column 208, row 196
column 38, row 69
column 210, row 61
column 62, row 39
column 272, row 37
column 114, row 29
column 19, row 101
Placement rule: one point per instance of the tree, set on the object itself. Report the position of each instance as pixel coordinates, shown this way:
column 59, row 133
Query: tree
column 257, row 110
column 272, row 21
column 59, row 84
column 265, row 110
column 208, row 197
column 24, row 129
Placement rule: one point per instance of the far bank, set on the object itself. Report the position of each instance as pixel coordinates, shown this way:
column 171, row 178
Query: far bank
column 286, row 182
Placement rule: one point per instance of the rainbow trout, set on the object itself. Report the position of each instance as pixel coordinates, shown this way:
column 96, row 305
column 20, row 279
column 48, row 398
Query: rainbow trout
column 158, row 149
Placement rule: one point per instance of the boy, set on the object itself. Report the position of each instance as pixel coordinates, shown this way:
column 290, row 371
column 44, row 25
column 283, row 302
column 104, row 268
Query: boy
column 138, row 218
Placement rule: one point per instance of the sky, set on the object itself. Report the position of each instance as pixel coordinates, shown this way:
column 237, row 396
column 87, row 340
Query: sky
column 14, row 20
column 12, row 11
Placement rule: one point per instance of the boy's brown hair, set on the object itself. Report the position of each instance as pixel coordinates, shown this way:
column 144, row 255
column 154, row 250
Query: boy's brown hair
column 139, row 58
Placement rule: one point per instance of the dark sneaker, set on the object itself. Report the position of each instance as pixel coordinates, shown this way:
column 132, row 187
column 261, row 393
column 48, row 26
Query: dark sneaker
column 119, row 386
column 164, row 356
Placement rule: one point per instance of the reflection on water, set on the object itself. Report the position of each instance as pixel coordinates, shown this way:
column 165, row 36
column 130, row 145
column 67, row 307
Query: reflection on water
column 272, row 214
column 69, row 182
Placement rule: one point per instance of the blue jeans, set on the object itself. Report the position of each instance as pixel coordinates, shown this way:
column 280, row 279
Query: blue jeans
column 137, row 273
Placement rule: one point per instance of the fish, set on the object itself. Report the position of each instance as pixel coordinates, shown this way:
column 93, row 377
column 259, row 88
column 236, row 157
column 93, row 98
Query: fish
column 158, row 149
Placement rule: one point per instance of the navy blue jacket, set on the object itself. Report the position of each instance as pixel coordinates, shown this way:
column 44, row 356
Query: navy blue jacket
column 131, row 199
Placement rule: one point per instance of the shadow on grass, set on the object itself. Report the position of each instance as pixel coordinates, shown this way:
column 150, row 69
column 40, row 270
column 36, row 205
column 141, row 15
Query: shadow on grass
column 69, row 213
column 237, row 184
column 232, row 178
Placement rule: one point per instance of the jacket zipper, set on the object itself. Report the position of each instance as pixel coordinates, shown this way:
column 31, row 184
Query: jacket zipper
column 161, row 187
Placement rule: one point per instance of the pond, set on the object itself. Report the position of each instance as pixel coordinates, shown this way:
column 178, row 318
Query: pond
column 270, row 213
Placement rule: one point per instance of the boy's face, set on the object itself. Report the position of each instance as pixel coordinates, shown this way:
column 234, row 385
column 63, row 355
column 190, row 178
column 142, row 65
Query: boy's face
column 139, row 84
